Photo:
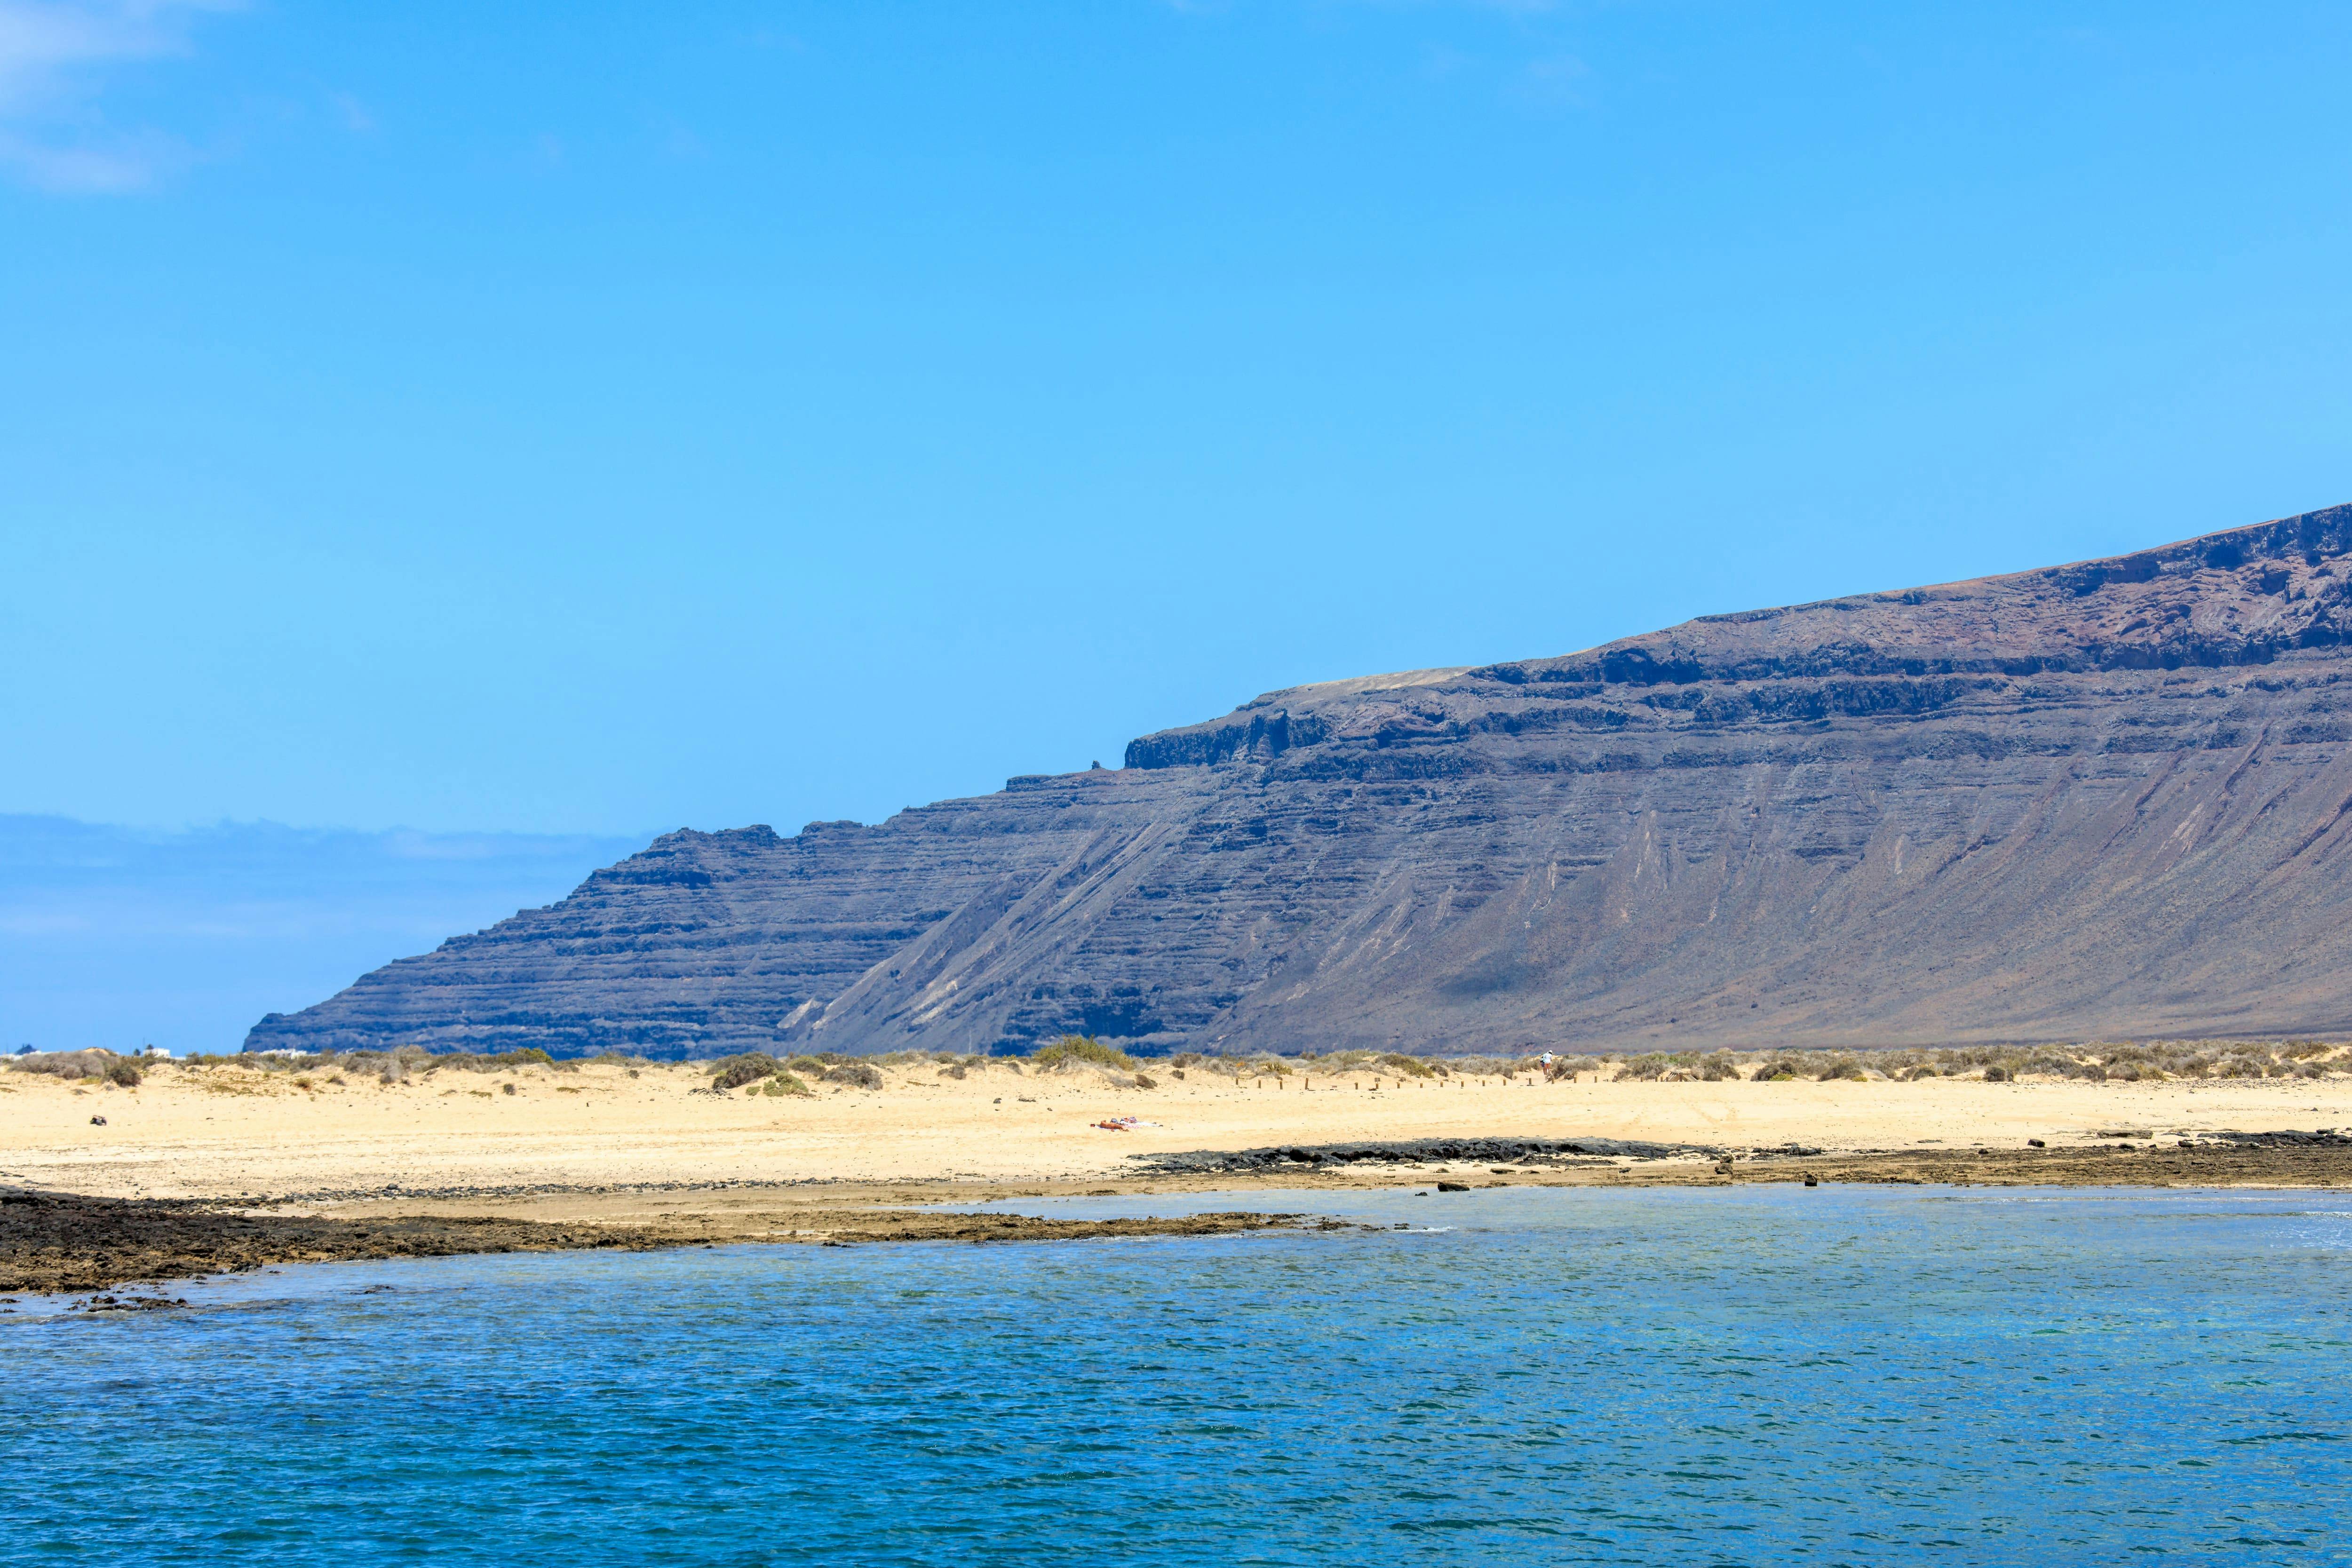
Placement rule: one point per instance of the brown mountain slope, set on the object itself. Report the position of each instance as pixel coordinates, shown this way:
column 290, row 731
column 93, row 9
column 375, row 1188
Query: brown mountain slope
column 2098, row 800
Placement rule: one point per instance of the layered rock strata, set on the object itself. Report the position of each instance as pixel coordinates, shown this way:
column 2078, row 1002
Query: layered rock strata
column 2110, row 799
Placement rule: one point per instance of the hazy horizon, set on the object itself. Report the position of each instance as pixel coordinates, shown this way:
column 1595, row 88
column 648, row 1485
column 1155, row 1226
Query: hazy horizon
column 122, row 937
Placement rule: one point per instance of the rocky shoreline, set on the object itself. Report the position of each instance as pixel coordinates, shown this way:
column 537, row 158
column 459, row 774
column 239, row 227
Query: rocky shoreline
column 57, row 1242
column 2224, row 1160
column 2124, row 1157
column 54, row 1243
column 1293, row 1157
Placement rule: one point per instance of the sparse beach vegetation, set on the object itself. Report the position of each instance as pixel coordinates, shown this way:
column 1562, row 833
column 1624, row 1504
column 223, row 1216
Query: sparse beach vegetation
column 2090, row 1062
column 734, row 1072
column 1082, row 1049
column 102, row 1065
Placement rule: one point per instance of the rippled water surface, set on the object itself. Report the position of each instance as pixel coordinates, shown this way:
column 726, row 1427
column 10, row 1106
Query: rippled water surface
column 1758, row 1375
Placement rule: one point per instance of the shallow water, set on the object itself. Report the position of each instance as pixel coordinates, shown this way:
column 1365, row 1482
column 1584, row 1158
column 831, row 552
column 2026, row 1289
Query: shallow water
column 1750, row 1376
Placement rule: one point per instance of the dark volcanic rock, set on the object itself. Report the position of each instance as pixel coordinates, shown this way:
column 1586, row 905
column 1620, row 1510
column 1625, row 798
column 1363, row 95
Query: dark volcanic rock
column 2325, row 1138
column 1412, row 1152
column 2100, row 800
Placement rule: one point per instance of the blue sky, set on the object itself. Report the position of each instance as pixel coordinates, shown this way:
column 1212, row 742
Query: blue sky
column 594, row 419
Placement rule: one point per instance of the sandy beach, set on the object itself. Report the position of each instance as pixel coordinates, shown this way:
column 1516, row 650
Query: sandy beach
column 202, row 1168
column 228, row 1132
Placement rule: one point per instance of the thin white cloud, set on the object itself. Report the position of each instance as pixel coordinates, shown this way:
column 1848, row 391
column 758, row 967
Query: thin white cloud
column 1556, row 79
column 118, row 164
column 55, row 58
column 1508, row 7
column 355, row 116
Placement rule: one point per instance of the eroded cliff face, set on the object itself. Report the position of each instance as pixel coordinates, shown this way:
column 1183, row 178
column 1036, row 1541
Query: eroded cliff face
column 2100, row 800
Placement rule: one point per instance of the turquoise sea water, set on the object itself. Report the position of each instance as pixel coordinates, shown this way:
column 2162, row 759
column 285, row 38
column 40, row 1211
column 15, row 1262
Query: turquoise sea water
column 1752, row 1375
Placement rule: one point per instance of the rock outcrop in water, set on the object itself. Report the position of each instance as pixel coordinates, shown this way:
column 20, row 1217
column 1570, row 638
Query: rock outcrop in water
column 2100, row 800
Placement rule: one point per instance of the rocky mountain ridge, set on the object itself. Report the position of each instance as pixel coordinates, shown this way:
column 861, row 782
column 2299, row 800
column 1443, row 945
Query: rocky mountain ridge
column 2097, row 800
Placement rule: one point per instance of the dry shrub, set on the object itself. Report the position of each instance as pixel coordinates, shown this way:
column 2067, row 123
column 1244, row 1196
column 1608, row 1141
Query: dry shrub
column 734, row 1072
column 1081, row 1049
column 502, row 1061
column 72, row 1065
column 856, row 1075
